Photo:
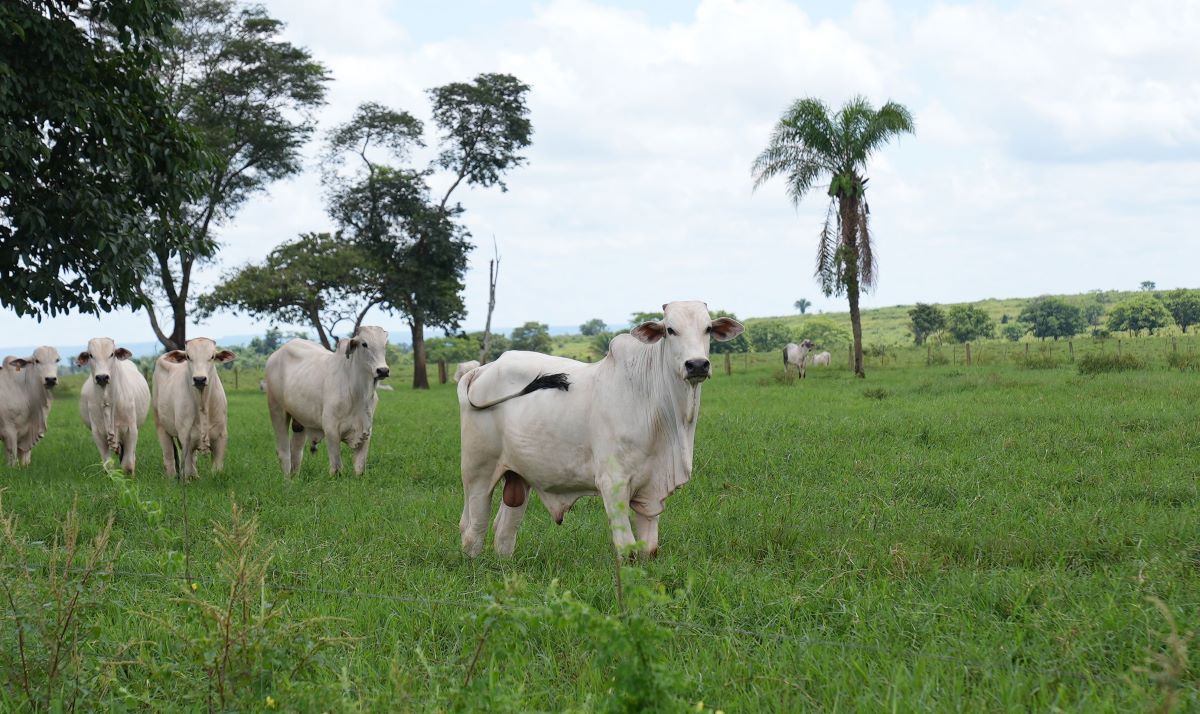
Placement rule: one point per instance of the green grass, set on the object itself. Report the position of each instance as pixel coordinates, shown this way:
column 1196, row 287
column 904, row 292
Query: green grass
column 942, row 538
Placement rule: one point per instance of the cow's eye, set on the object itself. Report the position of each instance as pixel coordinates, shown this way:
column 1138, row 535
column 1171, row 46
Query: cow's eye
column 708, row 330
column 670, row 330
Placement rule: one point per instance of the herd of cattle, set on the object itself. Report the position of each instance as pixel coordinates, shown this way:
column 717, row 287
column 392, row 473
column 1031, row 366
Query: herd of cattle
column 622, row 428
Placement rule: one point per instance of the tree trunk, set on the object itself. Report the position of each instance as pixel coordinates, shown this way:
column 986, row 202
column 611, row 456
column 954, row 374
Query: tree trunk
column 493, row 273
column 314, row 319
column 848, row 205
column 420, row 378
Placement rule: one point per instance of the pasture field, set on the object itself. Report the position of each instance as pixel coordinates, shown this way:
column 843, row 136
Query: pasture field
column 931, row 539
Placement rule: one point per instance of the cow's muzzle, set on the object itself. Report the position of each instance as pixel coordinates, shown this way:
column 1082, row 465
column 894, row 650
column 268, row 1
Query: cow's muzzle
column 697, row 370
column 199, row 382
column 101, row 380
column 51, row 381
column 382, row 372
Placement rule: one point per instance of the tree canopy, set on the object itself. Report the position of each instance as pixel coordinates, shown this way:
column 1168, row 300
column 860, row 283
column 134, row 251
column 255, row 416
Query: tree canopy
column 90, row 148
column 1184, row 306
column 250, row 96
column 532, row 337
column 593, row 327
column 1142, row 312
column 967, row 323
column 925, row 321
column 319, row 280
column 1052, row 317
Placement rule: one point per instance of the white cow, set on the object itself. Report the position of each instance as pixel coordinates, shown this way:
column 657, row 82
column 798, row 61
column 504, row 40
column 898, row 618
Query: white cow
column 115, row 401
column 822, row 359
column 26, row 392
column 623, row 428
column 316, row 393
column 463, row 368
column 794, row 356
column 190, row 408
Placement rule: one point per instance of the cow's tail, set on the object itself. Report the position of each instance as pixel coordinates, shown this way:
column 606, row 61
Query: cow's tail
column 542, row 381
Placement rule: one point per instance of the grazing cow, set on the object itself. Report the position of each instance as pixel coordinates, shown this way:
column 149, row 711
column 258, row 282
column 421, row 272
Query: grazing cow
column 622, row 428
column 794, row 356
column 26, row 392
column 190, row 409
column 463, row 368
column 115, row 401
column 315, row 393
column 822, row 359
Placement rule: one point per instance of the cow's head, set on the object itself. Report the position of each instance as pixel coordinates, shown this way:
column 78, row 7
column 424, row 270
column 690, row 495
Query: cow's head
column 367, row 349
column 44, row 364
column 807, row 345
column 201, row 356
column 101, row 357
column 685, row 331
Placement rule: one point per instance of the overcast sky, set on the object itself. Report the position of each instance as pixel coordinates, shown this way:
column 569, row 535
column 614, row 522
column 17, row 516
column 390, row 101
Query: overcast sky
column 1057, row 149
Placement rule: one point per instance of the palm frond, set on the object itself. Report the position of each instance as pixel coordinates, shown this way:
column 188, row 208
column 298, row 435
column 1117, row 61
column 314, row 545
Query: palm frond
column 866, row 253
column 802, row 147
column 891, row 120
column 828, row 244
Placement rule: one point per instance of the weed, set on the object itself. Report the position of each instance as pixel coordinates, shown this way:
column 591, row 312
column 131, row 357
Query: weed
column 1184, row 362
column 1040, row 360
column 877, row 393
column 1168, row 668
column 1096, row 363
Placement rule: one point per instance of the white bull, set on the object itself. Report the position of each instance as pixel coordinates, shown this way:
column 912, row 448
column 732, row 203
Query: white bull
column 190, row 408
column 114, row 402
column 26, row 393
column 822, row 359
column 315, row 393
column 623, row 428
column 794, row 356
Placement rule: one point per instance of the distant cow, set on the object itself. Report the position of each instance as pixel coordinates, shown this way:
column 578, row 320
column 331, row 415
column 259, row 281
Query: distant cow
column 622, row 428
column 315, row 393
column 26, row 392
column 464, row 367
column 822, row 359
column 115, row 401
column 794, row 356
column 190, row 409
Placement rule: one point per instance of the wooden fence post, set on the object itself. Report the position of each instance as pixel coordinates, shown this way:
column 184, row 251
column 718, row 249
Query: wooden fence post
column 441, row 371
column 728, row 364
column 1071, row 349
column 1118, row 347
column 1026, row 350
column 928, row 354
column 235, row 377
column 968, row 346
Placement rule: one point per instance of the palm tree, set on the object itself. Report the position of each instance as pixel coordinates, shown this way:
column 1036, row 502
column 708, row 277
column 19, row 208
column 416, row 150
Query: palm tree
column 802, row 305
column 810, row 143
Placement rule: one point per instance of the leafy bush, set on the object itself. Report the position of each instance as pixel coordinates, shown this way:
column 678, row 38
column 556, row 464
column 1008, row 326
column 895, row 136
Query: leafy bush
column 1098, row 362
column 877, row 393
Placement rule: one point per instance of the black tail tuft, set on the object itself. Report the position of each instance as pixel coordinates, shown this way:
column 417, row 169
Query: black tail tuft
column 548, row 381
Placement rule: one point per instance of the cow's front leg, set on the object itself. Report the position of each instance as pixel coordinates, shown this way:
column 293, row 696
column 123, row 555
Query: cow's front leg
column 26, row 456
column 10, row 444
column 360, row 454
column 334, row 439
column 614, row 490
column 219, row 442
column 129, row 450
column 101, row 441
column 647, row 533
column 167, row 444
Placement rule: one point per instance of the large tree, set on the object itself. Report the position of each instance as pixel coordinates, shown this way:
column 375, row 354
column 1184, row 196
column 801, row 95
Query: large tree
column 967, row 323
column 391, row 210
column 1054, row 317
column 924, row 321
column 1184, row 306
column 250, row 96
column 89, row 146
column 1142, row 312
column 319, row 280
column 809, row 143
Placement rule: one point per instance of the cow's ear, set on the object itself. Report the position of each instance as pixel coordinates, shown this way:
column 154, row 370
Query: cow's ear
column 351, row 345
column 725, row 328
column 122, row 354
column 224, row 356
column 17, row 363
column 83, row 358
column 176, row 356
column 649, row 332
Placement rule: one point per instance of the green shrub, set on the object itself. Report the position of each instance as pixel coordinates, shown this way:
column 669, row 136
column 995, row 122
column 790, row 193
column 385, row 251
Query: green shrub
column 1096, row 363
column 1184, row 361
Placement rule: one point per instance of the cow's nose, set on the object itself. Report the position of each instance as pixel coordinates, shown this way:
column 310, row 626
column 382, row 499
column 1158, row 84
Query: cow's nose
column 200, row 381
column 696, row 367
column 382, row 372
column 101, row 379
column 51, row 381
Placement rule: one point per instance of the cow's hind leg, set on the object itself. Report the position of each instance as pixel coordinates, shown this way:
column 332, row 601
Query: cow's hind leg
column 478, row 485
column 512, row 510
column 280, row 422
column 296, row 448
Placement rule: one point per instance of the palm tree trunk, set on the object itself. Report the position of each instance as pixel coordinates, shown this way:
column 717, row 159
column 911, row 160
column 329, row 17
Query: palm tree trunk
column 848, row 207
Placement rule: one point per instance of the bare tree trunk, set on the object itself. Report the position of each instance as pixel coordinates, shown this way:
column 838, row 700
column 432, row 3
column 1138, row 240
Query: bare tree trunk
column 493, row 273
column 420, row 378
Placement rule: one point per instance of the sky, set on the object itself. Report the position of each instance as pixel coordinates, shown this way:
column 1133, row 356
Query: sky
column 1057, row 150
